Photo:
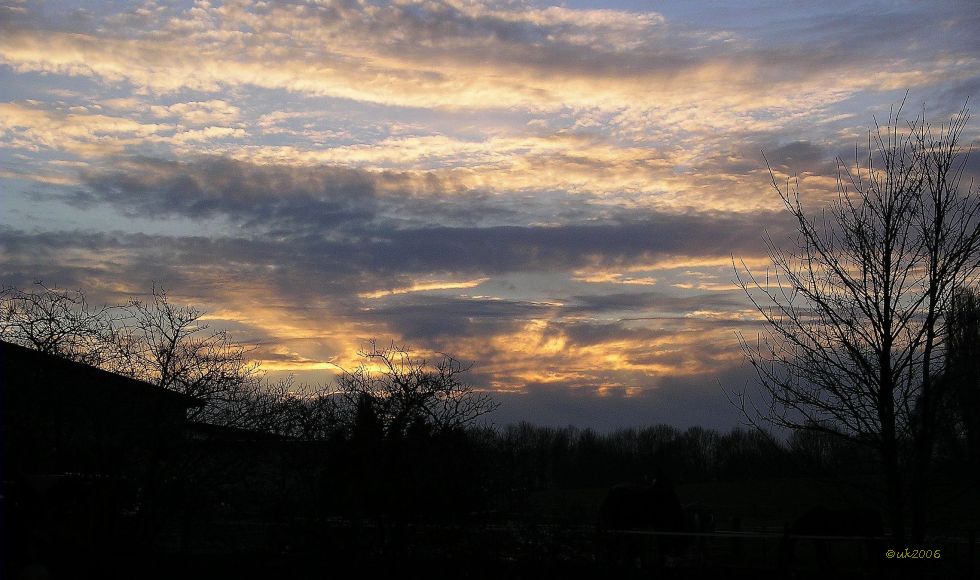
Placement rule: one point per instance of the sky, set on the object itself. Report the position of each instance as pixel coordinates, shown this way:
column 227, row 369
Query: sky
column 555, row 193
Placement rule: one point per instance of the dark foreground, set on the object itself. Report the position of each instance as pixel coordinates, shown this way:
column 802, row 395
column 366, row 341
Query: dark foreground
column 314, row 550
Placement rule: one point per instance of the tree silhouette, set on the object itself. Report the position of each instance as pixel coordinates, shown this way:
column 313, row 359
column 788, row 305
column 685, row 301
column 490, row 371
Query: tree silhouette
column 55, row 321
column 404, row 389
column 854, row 305
column 161, row 343
column 962, row 370
column 171, row 346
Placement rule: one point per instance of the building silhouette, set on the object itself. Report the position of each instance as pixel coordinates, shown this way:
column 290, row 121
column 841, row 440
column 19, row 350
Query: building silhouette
column 88, row 458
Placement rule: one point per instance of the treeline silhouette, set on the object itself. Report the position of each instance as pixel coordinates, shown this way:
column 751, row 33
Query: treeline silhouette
column 487, row 474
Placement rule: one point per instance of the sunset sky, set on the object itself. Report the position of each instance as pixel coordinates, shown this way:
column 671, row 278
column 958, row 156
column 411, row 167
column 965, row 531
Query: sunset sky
column 554, row 192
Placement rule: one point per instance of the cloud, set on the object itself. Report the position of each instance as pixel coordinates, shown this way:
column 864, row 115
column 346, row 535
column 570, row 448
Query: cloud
column 249, row 195
column 425, row 286
column 307, row 287
column 208, row 134
column 198, row 113
column 88, row 132
column 553, row 192
column 657, row 301
column 31, row 125
column 462, row 55
column 326, row 225
column 426, row 319
column 388, row 207
column 400, row 258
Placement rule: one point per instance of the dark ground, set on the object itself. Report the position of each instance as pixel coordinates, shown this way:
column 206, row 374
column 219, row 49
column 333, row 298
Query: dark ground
column 554, row 537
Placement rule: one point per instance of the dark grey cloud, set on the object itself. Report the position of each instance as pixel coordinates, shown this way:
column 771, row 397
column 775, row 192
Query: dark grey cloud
column 659, row 301
column 254, row 196
column 948, row 99
column 783, row 151
column 288, row 200
column 561, row 248
column 802, row 155
column 971, row 168
column 395, row 224
column 368, row 258
column 429, row 319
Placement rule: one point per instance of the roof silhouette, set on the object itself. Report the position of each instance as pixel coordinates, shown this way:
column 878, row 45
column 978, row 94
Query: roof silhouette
column 19, row 364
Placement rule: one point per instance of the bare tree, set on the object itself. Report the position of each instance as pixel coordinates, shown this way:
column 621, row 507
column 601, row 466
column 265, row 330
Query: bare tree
column 854, row 304
column 161, row 343
column 54, row 321
column 171, row 346
column 300, row 412
column 405, row 389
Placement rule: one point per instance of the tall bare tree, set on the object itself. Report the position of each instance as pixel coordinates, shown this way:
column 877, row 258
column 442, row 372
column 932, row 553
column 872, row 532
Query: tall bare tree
column 854, row 305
